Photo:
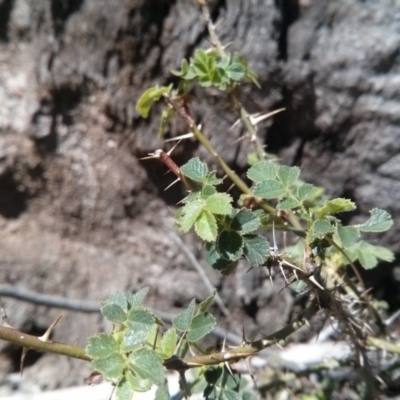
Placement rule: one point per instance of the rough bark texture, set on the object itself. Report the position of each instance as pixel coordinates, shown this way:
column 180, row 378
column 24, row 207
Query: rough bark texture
column 81, row 216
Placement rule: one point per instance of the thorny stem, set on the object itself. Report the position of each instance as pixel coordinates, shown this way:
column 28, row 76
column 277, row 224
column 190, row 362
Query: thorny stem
column 32, row 342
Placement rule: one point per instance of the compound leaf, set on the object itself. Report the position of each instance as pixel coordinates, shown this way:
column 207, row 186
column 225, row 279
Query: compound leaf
column 189, row 213
column 245, row 221
column 348, row 235
column 195, row 170
column 307, row 191
column 380, row 221
column 183, row 320
column 219, row 203
column 368, row 254
column 135, row 300
column 262, row 171
column 203, row 306
column 255, row 249
column 168, row 343
column 101, row 346
column 288, row 175
column 334, row 206
column 140, row 320
column 111, row 367
column 148, row 365
column 133, row 339
column 320, row 228
column 269, row 189
column 113, row 312
column 206, row 226
column 288, row 203
column 162, row 393
column 201, row 326
column 137, row 384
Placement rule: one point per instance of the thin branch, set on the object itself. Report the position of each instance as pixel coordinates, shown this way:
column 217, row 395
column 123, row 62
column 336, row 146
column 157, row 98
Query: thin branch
column 196, row 265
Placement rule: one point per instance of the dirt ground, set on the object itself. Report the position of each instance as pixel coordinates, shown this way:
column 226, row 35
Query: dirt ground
column 81, row 216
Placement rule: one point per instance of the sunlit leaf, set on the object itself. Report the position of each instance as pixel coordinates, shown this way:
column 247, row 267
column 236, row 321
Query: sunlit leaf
column 183, row 320
column 288, row 203
column 133, row 339
column 162, row 393
column 288, row 175
column 168, row 343
column 195, row 170
column 189, row 214
column 201, row 326
column 113, row 312
column 101, row 346
column 206, row 226
column 348, row 235
column 136, row 299
column 219, row 203
column 140, row 319
column 150, row 96
column 262, row 171
column 148, row 365
column 307, row 191
column 205, row 304
column 138, row 384
column 334, row 206
column 111, row 367
column 380, row 221
column 320, row 228
column 269, row 189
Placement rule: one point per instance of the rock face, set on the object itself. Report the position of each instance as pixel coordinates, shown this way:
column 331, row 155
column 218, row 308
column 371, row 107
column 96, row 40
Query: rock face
column 81, row 216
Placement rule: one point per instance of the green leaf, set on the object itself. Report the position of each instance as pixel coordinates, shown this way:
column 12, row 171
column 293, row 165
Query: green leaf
column 166, row 116
column 380, row 221
column 111, row 367
column 368, row 254
column 245, row 221
column 288, row 203
column 140, row 320
column 148, row 365
column 206, row 226
column 183, row 320
column 118, row 298
column 307, row 191
column 113, row 312
column 212, row 179
column 205, row 304
column 235, row 71
column 195, row 170
column 137, row 384
column 214, row 259
column 162, row 393
column 133, row 339
column 201, row 326
column 334, row 206
column 269, row 189
column 288, row 175
column 219, row 203
column 262, row 171
column 320, row 228
column 135, row 300
column 123, row 390
column 168, row 343
column 189, row 214
column 207, row 191
column 348, row 235
column 255, row 249
column 230, row 245
column 101, row 346
column 149, row 97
